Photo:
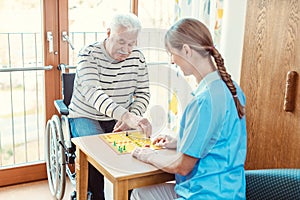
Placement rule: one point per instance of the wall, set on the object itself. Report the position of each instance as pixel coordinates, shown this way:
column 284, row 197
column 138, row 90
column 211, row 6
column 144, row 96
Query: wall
column 232, row 37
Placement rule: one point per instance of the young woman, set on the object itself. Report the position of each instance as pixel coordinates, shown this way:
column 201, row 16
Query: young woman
column 211, row 144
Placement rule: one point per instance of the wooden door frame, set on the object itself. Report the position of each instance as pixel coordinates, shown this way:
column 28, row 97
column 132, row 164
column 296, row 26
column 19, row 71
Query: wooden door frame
column 52, row 77
column 134, row 7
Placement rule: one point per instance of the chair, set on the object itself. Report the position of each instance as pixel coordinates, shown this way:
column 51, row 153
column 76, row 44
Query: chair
column 60, row 151
column 273, row 184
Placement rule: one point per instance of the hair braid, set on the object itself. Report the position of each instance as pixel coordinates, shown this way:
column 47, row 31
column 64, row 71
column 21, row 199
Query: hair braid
column 227, row 79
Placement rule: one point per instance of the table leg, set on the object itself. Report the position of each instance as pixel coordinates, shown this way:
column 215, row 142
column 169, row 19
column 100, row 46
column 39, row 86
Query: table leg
column 81, row 175
column 120, row 190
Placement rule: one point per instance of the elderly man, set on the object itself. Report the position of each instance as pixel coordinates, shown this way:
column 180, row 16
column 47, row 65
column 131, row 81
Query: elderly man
column 111, row 89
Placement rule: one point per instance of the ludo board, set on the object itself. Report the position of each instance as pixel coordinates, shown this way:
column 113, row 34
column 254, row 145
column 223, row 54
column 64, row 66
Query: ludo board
column 125, row 142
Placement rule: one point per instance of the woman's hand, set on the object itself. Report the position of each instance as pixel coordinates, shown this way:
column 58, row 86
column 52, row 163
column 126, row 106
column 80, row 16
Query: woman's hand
column 143, row 154
column 165, row 141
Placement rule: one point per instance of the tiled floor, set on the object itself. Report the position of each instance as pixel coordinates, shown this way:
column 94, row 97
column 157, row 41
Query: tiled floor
column 34, row 191
column 39, row 190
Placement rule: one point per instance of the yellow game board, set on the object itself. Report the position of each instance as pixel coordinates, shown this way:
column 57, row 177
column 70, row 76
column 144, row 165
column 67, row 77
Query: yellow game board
column 125, row 142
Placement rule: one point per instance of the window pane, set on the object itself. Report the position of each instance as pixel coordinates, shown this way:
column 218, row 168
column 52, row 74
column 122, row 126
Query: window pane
column 22, row 92
column 156, row 13
column 88, row 21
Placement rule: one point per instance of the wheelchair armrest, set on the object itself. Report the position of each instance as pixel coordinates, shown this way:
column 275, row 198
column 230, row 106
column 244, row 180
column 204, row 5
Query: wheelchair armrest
column 61, row 107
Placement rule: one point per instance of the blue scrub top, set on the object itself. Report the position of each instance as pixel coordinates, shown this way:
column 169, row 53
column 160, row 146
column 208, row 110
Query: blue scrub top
column 211, row 130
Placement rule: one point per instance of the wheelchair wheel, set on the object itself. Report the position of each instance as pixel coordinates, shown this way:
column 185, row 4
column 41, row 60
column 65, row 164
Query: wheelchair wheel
column 55, row 158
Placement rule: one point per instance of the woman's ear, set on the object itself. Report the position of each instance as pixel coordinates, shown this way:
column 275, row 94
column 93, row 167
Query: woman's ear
column 187, row 50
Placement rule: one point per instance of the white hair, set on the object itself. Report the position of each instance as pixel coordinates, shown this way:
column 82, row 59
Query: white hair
column 128, row 21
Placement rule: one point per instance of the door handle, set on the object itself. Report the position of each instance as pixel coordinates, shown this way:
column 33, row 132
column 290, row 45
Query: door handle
column 50, row 40
column 66, row 38
column 290, row 91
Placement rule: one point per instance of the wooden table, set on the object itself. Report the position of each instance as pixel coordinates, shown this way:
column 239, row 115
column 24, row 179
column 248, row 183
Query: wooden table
column 123, row 171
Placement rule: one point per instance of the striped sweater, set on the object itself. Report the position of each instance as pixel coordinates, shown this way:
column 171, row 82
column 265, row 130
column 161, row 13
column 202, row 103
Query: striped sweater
column 104, row 89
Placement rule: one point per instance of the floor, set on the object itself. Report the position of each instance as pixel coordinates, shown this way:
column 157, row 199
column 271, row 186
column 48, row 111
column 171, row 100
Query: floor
column 40, row 190
column 34, row 191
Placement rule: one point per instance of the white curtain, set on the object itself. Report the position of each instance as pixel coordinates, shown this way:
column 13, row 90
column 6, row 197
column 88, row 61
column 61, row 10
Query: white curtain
column 210, row 12
column 225, row 20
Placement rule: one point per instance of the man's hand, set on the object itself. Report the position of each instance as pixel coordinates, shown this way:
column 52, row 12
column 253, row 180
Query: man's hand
column 137, row 122
column 165, row 141
column 121, row 126
column 143, row 154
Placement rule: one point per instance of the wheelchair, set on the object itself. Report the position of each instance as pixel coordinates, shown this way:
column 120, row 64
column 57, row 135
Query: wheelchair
column 59, row 150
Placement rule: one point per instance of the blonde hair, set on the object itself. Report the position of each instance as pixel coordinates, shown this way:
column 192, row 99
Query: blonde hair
column 197, row 36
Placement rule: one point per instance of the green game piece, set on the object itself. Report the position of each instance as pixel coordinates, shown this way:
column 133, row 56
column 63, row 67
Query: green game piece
column 115, row 144
column 124, row 147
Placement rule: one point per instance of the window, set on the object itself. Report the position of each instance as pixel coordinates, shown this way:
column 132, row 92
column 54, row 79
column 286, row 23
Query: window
column 88, row 22
column 157, row 13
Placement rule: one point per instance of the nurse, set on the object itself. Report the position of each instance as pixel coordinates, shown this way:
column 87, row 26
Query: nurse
column 211, row 143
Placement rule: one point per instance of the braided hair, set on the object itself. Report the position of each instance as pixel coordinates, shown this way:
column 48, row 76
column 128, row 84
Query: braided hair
column 227, row 79
column 194, row 33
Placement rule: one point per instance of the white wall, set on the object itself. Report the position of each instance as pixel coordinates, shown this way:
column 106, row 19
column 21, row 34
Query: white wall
column 232, row 37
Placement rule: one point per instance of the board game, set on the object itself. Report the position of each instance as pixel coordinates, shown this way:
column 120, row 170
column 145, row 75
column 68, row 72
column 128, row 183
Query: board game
column 125, row 142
